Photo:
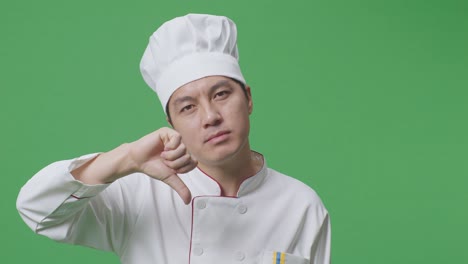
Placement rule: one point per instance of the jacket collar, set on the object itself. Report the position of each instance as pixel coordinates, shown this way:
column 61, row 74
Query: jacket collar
column 202, row 184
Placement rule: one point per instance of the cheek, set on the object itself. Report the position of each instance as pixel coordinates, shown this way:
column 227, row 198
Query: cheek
column 183, row 124
column 240, row 113
column 189, row 141
column 188, row 132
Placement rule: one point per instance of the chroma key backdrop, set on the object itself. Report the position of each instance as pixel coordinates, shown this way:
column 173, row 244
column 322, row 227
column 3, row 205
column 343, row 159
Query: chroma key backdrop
column 365, row 101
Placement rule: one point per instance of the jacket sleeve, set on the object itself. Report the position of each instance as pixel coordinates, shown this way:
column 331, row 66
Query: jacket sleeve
column 320, row 251
column 52, row 203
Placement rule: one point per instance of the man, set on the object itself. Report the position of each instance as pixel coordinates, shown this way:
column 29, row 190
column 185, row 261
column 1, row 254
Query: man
column 232, row 208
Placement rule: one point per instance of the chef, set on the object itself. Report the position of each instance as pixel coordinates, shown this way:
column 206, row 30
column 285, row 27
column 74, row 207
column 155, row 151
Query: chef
column 193, row 193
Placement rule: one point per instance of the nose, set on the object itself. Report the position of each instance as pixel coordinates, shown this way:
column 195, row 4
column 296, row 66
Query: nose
column 211, row 116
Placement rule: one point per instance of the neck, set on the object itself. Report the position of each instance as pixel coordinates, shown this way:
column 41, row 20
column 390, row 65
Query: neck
column 232, row 173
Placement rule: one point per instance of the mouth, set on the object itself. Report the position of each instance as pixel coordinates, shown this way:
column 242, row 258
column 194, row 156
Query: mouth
column 219, row 136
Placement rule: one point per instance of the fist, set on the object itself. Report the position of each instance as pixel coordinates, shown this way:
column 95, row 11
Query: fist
column 161, row 155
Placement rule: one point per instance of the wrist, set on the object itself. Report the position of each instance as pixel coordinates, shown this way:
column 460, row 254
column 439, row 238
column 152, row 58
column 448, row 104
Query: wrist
column 122, row 163
column 106, row 167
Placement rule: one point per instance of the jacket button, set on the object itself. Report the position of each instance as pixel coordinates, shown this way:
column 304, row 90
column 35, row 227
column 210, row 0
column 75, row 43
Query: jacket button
column 198, row 251
column 239, row 256
column 201, row 204
column 242, row 209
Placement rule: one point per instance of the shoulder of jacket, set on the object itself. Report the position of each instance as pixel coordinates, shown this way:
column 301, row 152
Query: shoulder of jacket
column 294, row 187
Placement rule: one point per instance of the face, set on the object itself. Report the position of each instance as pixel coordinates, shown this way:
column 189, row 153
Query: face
column 212, row 116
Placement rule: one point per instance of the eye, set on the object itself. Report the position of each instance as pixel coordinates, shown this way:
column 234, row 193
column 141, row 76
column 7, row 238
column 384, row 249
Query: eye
column 186, row 108
column 221, row 94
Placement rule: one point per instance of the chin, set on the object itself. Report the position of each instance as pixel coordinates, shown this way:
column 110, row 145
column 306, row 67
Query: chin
column 221, row 154
column 217, row 158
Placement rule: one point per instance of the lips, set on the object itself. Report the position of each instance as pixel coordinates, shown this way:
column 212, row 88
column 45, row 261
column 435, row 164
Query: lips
column 218, row 134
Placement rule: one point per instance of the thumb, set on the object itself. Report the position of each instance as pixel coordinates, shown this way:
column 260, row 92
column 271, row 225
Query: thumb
column 179, row 186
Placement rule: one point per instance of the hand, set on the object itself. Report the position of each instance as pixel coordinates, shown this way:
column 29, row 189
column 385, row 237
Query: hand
column 161, row 155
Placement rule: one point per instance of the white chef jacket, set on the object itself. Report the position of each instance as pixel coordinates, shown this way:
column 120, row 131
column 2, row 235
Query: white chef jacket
column 273, row 219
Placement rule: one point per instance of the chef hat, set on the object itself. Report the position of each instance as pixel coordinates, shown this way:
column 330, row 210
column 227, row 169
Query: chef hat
column 188, row 48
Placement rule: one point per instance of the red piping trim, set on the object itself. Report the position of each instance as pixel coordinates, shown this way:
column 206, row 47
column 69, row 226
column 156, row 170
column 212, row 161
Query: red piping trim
column 221, row 194
column 219, row 185
column 78, row 198
column 191, row 225
column 191, row 234
column 238, row 187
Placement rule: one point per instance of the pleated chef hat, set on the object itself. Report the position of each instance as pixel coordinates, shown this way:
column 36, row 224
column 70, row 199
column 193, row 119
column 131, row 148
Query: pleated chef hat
column 188, row 48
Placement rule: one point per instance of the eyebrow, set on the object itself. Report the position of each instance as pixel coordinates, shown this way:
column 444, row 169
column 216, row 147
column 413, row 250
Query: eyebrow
column 212, row 89
column 219, row 84
column 182, row 99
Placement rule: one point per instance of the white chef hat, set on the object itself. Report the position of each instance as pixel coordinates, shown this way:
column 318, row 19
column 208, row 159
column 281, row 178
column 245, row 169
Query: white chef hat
column 188, row 48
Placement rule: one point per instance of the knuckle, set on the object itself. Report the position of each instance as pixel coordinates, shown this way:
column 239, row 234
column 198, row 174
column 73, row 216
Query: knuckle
column 183, row 148
column 164, row 130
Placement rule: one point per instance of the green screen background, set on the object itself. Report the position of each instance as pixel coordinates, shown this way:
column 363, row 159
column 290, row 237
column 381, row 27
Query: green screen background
column 365, row 101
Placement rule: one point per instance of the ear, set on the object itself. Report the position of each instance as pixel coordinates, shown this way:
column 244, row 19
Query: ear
column 249, row 99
